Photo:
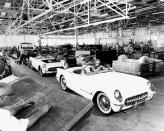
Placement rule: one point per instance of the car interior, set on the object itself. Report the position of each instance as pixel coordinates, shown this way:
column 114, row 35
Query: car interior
column 89, row 71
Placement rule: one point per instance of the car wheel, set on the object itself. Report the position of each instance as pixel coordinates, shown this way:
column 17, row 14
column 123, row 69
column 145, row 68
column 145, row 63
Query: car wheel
column 63, row 83
column 40, row 72
column 65, row 66
column 103, row 103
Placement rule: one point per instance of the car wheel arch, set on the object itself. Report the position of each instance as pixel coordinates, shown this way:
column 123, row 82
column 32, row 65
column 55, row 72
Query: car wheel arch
column 95, row 96
column 66, row 86
column 61, row 77
column 95, row 101
column 39, row 67
column 97, row 92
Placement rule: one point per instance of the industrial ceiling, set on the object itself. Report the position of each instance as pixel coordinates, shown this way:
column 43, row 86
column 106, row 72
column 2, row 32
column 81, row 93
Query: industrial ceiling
column 67, row 16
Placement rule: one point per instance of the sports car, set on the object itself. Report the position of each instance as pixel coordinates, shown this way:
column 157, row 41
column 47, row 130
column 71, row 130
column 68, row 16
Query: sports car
column 109, row 90
column 46, row 64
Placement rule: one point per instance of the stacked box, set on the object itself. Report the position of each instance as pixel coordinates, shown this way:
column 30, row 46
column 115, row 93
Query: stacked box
column 159, row 66
column 130, row 67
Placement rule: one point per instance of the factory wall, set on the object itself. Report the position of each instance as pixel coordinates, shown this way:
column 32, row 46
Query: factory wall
column 14, row 40
column 156, row 34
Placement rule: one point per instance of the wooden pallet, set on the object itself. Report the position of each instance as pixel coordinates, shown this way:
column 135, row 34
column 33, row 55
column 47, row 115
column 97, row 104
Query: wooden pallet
column 67, row 111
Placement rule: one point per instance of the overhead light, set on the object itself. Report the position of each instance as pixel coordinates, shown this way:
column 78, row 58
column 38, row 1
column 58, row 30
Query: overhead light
column 84, row 1
column 133, row 17
column 103, row 15
column 7, row 5
column 144, row 2
column 3, row 13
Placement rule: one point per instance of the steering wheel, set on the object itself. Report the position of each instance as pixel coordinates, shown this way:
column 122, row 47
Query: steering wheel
column 85, row 70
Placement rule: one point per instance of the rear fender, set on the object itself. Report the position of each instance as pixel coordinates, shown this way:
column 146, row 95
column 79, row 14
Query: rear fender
column 59, row 73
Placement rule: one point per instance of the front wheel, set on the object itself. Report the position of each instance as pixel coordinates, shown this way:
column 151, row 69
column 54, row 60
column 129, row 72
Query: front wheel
column 63, row 83
column 40, row 72
column 103, row 103
column 65, row 66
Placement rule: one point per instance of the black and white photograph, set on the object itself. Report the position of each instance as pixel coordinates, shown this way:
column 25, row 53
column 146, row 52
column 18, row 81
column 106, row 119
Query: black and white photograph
column 81, row 65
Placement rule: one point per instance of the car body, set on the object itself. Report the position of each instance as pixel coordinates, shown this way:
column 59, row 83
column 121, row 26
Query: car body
column 114, row 90
column 46, row 64
column 25, row 46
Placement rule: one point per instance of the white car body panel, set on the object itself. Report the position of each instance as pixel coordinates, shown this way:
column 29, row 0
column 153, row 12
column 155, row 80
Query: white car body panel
column 108, row 82
column 38, row 62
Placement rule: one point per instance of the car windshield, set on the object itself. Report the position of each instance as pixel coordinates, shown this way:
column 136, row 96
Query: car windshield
column 98, row 72
column 83, row 71
column 83, row 55
column 44, row 57
column 49, row 60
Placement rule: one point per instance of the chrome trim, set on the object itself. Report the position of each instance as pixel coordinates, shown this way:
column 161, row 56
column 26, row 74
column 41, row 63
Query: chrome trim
column 136, row 99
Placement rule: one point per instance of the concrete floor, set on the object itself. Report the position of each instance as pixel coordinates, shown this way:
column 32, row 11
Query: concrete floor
column 146, row 117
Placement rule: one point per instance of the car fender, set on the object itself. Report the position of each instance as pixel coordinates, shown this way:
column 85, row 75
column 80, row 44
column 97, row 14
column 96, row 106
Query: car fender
column 110, row 95
column 59, row 73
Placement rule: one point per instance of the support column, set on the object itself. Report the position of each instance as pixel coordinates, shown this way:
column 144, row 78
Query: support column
column 75, row 24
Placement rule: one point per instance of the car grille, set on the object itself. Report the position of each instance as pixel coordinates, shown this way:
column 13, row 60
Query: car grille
column 53, row 68
column 136, row 99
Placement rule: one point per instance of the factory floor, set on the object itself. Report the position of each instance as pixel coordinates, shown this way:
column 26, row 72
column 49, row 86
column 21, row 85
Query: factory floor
column 146, row 117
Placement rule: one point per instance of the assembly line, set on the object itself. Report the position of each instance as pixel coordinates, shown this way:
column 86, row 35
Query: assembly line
column 88, row 80
column 81, row 65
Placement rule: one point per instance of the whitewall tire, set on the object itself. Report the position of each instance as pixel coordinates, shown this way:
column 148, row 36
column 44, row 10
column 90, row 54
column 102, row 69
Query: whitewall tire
column 65, row 65
column 103, row 103
column 40, row 72
column 63, row 83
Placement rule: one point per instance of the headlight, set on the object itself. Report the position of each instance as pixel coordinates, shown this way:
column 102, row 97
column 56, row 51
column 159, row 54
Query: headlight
column 150, row 86
column 44, row 66
column 118, row 95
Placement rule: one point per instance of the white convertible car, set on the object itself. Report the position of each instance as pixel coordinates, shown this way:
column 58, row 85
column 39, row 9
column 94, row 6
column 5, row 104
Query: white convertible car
column 109, row 90
column 46, row 64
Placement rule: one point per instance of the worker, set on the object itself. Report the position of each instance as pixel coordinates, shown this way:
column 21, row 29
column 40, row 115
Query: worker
column 11, row 123
column 94, row 67
column 129, row 51
column 22, row 56
column 97, row 66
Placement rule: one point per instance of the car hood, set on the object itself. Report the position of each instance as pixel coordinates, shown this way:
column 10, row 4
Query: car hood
column 55, row 64
column 128, row 85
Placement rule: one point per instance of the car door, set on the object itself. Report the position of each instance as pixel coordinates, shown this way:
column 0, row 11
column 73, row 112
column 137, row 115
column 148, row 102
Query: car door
column 80, row 83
